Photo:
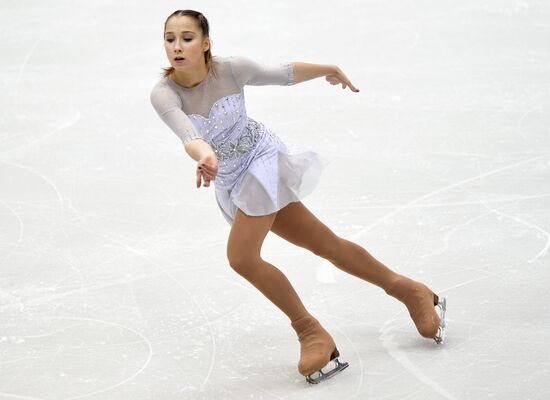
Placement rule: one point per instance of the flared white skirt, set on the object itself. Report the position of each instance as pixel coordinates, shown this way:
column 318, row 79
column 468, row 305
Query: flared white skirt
column 276, row 175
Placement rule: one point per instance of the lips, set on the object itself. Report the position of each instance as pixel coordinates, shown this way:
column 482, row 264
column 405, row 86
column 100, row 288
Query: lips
column 179, row 59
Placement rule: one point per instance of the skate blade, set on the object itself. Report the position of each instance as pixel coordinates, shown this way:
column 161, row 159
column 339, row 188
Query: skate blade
column 441, row 309
column 322, row 375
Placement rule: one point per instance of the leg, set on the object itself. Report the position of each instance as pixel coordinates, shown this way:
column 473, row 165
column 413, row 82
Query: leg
column 243, row 252
column 246, row 237
column 298, row 225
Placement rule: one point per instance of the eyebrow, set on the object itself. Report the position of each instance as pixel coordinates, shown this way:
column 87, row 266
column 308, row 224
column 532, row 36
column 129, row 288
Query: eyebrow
column 182, row 31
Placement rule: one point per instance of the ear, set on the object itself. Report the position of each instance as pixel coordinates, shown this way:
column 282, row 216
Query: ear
column 206, row 44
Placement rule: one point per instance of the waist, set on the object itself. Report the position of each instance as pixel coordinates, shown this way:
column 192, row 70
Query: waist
column 241, row 145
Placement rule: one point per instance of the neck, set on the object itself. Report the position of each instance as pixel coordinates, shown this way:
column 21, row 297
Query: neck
column 190, row 78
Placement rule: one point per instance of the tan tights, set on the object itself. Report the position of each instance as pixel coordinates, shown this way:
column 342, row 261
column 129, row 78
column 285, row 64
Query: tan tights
column 296, row 224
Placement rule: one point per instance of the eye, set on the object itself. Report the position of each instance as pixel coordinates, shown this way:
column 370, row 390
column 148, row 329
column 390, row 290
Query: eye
column 171, row 40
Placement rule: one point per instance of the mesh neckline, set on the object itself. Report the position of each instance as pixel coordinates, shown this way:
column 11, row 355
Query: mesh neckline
column 200, row 84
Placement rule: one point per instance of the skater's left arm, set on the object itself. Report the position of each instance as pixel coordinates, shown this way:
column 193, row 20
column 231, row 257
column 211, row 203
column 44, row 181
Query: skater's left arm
column 334, row 75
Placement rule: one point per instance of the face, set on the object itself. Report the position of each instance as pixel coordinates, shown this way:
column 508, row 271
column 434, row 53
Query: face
column 183, row 38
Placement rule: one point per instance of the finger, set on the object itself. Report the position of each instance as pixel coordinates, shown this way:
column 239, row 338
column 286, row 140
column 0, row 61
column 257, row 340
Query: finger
column 203, row 171
column 198, row 180
column 207, row 168
column 202, row 166
column 208, row 174
column 207, row 164
column 213, row 171
column 210, row 171
column 353, row 88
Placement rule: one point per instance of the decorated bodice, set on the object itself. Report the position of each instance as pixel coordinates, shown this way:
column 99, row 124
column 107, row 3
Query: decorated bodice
column 214, row 110
column 228, row 129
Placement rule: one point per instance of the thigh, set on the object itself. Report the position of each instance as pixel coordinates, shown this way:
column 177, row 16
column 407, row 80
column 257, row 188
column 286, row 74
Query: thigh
column 296, row 224
column 247, row 236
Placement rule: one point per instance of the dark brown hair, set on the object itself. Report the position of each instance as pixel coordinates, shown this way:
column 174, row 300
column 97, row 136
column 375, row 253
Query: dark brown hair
column 202, row 23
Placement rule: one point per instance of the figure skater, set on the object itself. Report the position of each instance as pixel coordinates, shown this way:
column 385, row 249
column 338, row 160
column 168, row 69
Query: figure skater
column 259, row 181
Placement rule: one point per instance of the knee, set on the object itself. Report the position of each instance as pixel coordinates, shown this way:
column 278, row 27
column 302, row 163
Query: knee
column 243, row 265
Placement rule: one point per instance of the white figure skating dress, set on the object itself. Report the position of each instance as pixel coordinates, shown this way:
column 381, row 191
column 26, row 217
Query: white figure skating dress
column 257, row 172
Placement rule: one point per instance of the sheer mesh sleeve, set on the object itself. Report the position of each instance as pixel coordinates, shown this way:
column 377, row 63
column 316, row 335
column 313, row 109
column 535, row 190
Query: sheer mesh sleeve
column 249, row 72
column 169, row 108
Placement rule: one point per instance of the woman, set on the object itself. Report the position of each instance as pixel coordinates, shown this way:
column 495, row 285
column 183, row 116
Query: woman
column 259, row 181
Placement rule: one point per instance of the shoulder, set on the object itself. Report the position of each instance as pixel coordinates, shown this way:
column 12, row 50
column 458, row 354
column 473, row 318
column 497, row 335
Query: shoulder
column 163, row 94
column 162, row 86
column 240, row 66
column 232, row 60
column 223, row 63
column 237, row 60
column 221, row 60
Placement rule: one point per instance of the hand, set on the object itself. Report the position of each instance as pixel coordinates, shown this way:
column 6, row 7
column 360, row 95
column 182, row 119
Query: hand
column 339, row 77
column 207, row 169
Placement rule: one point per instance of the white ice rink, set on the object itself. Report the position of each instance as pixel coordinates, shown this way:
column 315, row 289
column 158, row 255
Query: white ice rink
column 114, row 281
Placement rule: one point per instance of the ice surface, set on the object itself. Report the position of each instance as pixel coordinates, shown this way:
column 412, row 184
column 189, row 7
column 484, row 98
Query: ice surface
column 114, row 282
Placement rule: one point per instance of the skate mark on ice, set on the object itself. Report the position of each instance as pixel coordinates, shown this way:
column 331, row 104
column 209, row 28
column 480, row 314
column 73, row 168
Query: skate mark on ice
column 20, row 236
column 46, row 179
column 167, row 274
column 544, row 250
column 356, row 351
column 326, row 272
column 401, row 357
column 72, row 120
column 18, row 396
column 15, row 100
column 207, row 320
column 146, row 363
column 500, row 216
column 35, row 172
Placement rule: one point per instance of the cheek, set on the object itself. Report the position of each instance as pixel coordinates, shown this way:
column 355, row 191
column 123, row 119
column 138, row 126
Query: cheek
column 194, row 46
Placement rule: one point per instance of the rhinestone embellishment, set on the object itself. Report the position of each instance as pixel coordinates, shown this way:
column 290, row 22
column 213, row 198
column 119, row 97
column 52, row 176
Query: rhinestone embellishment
column 236, row 149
